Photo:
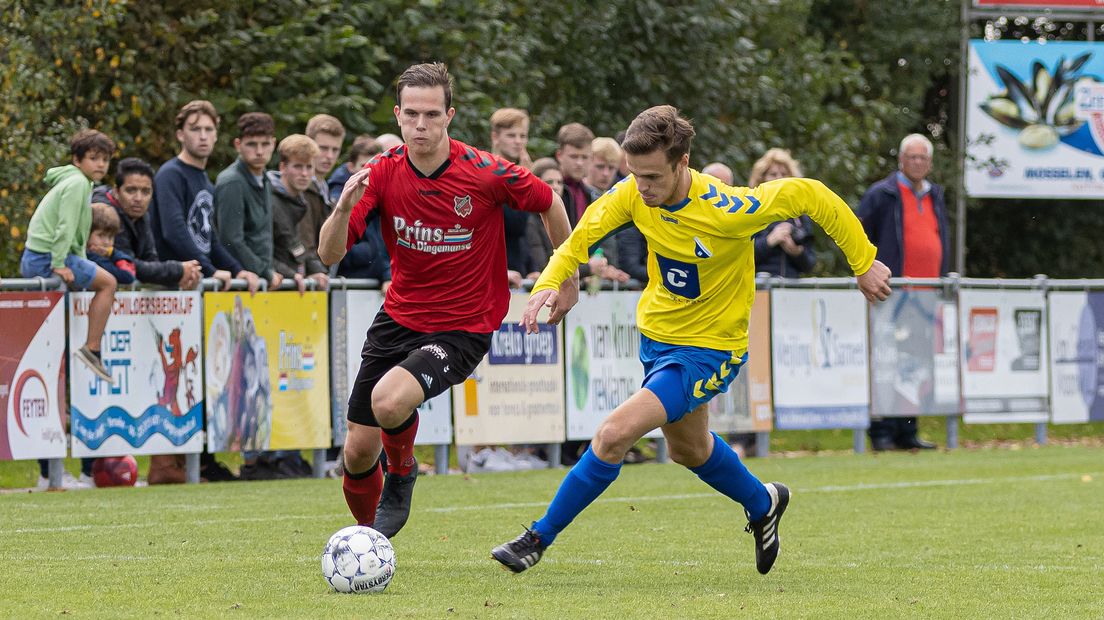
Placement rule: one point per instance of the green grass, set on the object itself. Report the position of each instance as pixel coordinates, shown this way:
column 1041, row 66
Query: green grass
column 963, row 534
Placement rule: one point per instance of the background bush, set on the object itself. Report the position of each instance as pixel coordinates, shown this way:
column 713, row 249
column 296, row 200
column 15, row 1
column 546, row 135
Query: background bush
column 838, row 82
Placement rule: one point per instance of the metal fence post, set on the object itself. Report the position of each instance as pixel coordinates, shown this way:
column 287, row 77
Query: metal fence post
column 441, row 458
column 762, row 444
column 858, row 440
column 191, row 468
column 55, row 469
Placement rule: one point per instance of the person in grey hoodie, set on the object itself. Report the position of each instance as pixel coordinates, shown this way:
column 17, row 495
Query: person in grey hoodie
column 289, row 186
column 58, row 233
column 243, row 203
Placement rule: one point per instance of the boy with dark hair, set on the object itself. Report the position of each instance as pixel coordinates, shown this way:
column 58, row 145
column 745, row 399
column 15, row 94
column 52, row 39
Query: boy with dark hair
column 364, row 148
column 59, row 230
column 183, row 199
column 130, row 197
column 101, row 244
column 243, row 197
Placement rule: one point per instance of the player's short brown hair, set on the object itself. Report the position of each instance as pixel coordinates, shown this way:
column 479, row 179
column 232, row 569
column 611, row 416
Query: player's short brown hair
column 574, row 134
column 256, row 124
column 505, row 118
column 198, row 106
column 105, row 219
column 297, row 146
column 660, row 128
column 324, row 123
column 426, row 75
column 90, row 141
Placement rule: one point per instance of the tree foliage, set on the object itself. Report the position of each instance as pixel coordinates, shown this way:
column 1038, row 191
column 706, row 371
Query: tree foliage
column 839, row 83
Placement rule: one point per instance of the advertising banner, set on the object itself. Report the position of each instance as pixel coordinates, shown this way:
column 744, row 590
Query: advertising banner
column 1035, row 120
column 32, row 375
column 152, row 346
column 819, row 357
column 1076, row 321
column 268, row 375
column 746, row 406
column 352, row 313
column 516, row 394
column 1004, row 353
column 914, row 354
column 602, row 343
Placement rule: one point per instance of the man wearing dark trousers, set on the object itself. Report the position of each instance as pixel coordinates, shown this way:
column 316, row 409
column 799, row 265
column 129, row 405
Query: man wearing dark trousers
column 905, row 216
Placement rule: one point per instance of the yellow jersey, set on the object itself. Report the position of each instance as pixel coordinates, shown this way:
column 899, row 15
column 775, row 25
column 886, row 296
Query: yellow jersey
column 701, row 260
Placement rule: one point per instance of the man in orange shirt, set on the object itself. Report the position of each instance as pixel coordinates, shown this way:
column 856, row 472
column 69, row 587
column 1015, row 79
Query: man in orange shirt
column 905, row 216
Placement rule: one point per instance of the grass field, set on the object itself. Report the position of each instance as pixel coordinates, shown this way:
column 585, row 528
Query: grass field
column 963, row 534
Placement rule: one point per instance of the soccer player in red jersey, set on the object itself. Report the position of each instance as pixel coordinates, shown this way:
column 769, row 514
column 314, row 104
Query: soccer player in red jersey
column 439, row 203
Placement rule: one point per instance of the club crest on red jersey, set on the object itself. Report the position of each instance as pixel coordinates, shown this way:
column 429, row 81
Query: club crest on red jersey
column 462, row 205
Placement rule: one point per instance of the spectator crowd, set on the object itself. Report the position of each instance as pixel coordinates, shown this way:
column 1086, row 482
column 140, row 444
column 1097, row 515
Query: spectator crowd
column 173, row 226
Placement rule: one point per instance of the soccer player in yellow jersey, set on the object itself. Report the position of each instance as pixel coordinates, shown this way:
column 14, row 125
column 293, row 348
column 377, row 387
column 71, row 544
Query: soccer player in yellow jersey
column 693, row 318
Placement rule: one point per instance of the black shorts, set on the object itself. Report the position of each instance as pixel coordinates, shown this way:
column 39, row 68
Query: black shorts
column 437, row 360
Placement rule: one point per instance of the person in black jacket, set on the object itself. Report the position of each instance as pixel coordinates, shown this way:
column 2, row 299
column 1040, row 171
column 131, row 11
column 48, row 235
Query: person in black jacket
column 289, row 185
column 782, row 248
column 131, row 199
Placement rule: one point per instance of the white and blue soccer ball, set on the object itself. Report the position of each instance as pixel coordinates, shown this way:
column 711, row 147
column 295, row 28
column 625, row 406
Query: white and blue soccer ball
column 358, row 559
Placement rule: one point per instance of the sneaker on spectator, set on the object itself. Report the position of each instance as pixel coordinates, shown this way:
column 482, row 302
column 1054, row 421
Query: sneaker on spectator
column 333, row 469
column 528, row 460
column 490, row 459
column 216, row 472
column 260, row 470
column 287, row 467
column 68, row 482
column 95, row 364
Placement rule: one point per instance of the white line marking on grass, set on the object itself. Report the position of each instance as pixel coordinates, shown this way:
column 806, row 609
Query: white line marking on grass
column 876, row 486
column 908, row 484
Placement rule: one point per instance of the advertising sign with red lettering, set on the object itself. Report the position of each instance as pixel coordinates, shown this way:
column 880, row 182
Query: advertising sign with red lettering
column 32, row 375
column 1004, row 355
column 154, row 350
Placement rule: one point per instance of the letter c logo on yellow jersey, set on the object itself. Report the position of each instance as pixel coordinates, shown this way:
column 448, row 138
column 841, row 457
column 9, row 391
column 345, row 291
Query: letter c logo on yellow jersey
column 679, row 278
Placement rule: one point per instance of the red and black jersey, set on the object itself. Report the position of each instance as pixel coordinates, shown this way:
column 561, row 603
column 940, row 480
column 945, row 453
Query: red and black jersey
column 445, row 235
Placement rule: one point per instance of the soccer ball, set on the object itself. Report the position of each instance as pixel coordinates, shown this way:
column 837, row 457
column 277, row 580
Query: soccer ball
column 115, row 471
column 358, row 559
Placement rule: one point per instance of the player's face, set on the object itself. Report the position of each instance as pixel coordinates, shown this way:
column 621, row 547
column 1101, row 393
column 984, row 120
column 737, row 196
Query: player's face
column 601, row 173
column 511, row 141
column 255, row 151
column 100, row 242
column 329, row 149
column 134, row 195
column 657, row 180
column 94, row 164
column 198, row 136
column 915, row 162
column 297, row 174
column 423, row 119
column 574, row 161
column 554, row 180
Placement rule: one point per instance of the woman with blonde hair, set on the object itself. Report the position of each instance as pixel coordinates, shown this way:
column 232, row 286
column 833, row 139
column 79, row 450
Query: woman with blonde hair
column 783, row 248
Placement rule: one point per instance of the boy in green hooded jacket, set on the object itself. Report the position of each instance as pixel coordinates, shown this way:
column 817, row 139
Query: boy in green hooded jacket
column 58, row 233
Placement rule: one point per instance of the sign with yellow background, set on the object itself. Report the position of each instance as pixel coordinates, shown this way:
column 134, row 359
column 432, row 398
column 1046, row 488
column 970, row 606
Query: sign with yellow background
column 268, row 371
column 746, row 406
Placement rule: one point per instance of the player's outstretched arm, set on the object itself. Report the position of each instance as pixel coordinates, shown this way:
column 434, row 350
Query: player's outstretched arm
column 874, row 282
column 335, row 230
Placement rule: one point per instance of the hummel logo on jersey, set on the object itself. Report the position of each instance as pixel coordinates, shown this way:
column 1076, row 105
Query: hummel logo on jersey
column 429, row 192
column 700, row 250
column 428, row 380
column 668, row 218
column 462, row 205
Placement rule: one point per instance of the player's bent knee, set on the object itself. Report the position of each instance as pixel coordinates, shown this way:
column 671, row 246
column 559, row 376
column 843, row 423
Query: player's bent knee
column 389, row 410
column 688, row 455
column 611, row 443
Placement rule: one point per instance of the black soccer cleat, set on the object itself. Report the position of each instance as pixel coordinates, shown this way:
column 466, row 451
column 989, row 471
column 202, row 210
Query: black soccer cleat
column 520, row 553
column 765, row 530
column 394, row 505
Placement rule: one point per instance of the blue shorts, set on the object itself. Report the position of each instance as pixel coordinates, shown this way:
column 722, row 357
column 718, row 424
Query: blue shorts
column 705, row 372
column 37, row 264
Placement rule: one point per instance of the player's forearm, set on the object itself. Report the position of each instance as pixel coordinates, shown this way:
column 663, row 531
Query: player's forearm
column 332, row 237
